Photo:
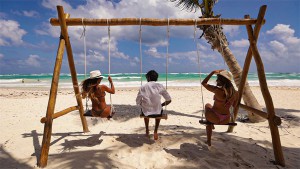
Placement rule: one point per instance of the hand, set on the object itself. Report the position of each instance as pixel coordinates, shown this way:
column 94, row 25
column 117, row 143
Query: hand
column 218, row 71
column 109, row 79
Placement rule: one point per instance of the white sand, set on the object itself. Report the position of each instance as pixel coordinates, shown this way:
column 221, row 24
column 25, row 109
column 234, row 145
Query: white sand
column 120, row 143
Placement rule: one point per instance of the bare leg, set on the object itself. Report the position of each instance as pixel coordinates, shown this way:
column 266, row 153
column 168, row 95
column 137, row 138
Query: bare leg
column 146, row 120
column 209, row 128
column 157, row 121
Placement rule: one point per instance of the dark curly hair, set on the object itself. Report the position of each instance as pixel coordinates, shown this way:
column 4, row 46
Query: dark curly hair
column 152, row 75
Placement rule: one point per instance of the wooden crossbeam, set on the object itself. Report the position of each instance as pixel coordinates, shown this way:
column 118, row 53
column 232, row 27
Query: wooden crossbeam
column 61, row 113
column 276, row 119
column 152, row 21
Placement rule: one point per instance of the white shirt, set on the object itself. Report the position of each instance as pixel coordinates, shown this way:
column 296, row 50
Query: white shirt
column 149, row 97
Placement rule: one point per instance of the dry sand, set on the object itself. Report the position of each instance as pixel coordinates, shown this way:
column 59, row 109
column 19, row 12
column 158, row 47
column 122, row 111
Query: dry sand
column 121, row 143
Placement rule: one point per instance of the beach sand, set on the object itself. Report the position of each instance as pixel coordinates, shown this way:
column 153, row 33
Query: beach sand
column 121, row 142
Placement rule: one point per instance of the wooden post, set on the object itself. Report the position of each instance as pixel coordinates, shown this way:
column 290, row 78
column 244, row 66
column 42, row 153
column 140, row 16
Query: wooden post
column 267, row 98
column 260, row 19
column 64, row 32
column 51, row 105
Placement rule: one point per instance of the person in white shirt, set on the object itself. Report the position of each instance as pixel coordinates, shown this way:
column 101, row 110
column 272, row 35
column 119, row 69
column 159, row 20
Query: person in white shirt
column 149, row 98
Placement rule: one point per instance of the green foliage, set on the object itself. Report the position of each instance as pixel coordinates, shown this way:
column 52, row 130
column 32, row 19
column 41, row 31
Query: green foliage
column 206, row 6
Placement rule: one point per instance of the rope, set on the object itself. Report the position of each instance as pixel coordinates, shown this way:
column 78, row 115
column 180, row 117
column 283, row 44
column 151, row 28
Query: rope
column 141, row 57
column 84, row 44
column 108, row 30
column 198, row 55
column 167, row 56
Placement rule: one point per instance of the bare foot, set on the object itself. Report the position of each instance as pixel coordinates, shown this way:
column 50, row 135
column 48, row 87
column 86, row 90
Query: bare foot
column 147, row 134
column 155, row 136
column 208, row 143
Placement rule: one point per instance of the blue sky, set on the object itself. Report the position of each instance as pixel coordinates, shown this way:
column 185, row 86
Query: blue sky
column 28, row 43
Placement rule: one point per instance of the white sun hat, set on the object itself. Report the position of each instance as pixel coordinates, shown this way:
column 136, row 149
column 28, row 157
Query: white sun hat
column 226, row 74
column 95, row 74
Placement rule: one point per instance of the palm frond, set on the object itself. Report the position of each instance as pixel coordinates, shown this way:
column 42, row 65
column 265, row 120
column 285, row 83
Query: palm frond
column 192, row 5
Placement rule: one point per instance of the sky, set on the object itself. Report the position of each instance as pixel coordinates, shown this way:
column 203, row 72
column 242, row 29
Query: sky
column 28, row 42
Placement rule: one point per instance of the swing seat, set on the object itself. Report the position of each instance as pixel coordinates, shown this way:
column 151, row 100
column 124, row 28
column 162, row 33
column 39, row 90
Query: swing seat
column 208, row 122
column 88, row 113
column 163, row 116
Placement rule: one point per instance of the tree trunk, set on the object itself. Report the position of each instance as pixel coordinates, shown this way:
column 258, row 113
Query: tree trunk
column 214, row 35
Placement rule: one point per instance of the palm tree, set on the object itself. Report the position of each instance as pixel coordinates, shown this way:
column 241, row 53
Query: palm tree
column 217, row 39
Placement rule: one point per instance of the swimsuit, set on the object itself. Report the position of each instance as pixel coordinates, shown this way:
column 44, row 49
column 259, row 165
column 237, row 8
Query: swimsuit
column 221, row 116
column 97, row 113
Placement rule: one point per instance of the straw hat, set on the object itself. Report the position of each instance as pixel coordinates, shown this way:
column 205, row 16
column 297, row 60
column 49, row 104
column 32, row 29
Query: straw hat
column 95, row 74
column 226, row 74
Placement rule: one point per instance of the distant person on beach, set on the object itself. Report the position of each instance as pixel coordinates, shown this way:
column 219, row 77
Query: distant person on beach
column 92, row 89
column 225, row 97
column 149, row 98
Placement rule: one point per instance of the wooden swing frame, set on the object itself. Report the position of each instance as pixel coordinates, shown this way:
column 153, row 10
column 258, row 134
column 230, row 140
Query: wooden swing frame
column 64, row 21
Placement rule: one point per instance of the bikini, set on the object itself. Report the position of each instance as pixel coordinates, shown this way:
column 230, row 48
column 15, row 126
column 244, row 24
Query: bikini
column 98, row 113
column 222, row 117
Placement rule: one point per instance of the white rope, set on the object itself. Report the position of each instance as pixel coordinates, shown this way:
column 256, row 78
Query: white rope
column 108, row 30
column 222, row 43
column 167, row 56
column 141, row 56
column 199, row 65
column 84, row 48
column 84, row 44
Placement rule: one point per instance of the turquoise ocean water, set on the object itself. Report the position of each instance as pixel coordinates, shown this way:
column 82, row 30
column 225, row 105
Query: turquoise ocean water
column 134, row 79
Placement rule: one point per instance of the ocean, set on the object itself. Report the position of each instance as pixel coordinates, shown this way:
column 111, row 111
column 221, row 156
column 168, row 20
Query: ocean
column 134, row 79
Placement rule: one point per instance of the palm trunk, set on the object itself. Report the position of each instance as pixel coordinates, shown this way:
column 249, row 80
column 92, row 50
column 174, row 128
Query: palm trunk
column 214, row 35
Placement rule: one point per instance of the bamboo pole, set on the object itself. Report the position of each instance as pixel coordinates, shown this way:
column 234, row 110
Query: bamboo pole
column 277, row 120
column 61, row 113
column 64, row 32
column 260, row 19
column 152, row 21
column 51, row 104
column 267, row 98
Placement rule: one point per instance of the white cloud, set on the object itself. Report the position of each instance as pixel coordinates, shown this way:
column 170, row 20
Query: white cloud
column 232, row 30
column 152, row 51
column 240, row 43
column 10, row 33
column 1, row 56
column 126, row 8
column 31, row 13
column 283, row 46
column 33, row 60
column 282, row 31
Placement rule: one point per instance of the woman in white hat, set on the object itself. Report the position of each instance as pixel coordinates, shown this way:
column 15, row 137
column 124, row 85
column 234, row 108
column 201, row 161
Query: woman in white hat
column 92, row 89
column 225, row 97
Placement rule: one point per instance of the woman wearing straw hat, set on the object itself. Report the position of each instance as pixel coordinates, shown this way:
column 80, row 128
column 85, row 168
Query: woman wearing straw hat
column 92, row 89
column 225, row 97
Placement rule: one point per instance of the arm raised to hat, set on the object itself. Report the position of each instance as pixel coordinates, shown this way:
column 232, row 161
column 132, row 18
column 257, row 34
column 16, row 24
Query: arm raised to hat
column 208, row 86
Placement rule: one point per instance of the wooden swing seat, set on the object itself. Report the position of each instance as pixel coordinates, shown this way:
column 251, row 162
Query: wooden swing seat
column 163, row 116
column 88, row 113
column 207, row 122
